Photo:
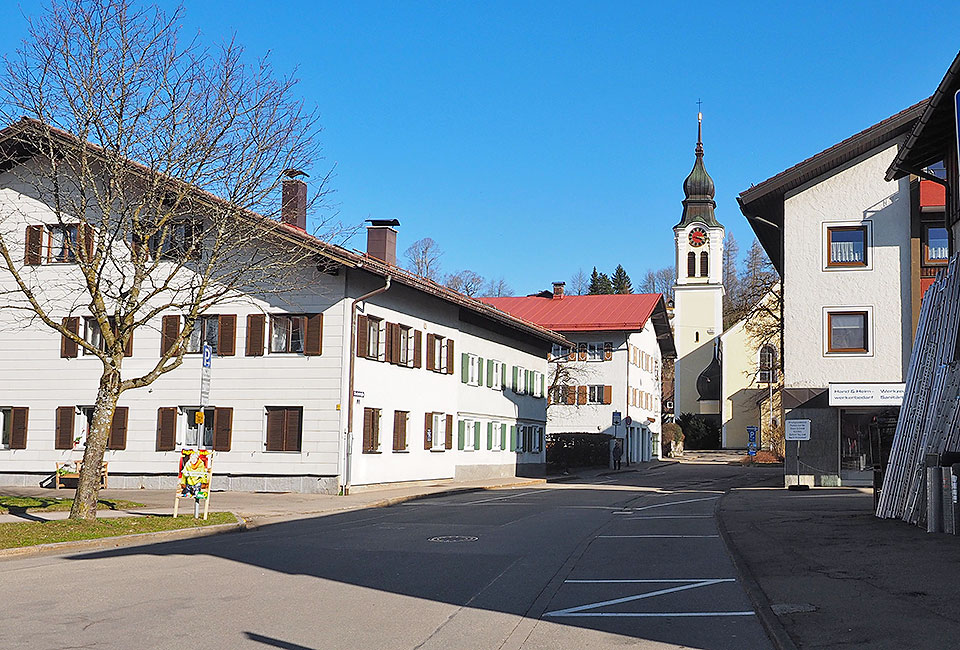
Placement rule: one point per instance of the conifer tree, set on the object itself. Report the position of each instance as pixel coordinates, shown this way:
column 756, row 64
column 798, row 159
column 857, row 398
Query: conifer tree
column 600, row 283
column 621, row 281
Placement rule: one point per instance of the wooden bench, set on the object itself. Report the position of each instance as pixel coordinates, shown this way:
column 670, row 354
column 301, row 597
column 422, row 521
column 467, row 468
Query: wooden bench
column 71, row 469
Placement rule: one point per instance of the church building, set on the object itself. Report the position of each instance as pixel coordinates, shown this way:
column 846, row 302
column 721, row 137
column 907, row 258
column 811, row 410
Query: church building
column 698, row 294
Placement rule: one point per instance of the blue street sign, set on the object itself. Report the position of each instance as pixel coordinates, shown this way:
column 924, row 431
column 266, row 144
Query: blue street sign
column 752, row 434
column 207, row 355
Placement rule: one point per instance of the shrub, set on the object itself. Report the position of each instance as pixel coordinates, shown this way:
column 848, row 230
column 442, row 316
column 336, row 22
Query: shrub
column 699, row 432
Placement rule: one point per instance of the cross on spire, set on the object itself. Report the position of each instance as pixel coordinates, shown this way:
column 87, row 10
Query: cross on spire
column 699, row 128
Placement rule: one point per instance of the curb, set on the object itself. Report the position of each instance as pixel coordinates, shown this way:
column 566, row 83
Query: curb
column 106, row 543
column 775, row 630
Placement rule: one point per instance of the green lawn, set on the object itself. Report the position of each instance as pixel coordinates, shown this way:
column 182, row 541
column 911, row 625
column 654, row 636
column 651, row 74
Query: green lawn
column 46, row 532
column 40, row 504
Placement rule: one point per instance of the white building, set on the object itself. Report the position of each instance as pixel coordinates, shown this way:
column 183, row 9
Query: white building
column 613, row 365
column 848, row 246
column 299, row 399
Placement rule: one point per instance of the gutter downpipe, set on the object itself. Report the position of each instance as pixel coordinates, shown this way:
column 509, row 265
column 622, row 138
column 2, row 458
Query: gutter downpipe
column 353, row 362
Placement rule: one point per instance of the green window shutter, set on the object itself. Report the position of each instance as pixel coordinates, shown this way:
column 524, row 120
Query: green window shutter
column 476, row 436
column 513, row 438
column 489, row 436
column 503, row 375
column 460, row 436
column 465, row 367
column 515, row 376
column 480, row 371
column 490, row 365
column 503, row 436
column 529, row 382
column 543, row 385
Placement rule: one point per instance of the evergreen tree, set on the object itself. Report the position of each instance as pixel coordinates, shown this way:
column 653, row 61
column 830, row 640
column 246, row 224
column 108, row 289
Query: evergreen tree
column 599, row 284
column 621, row 281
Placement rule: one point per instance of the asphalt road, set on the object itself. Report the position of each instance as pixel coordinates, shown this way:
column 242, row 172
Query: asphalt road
column 631, row 560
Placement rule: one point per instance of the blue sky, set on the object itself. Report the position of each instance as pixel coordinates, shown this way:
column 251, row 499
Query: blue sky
column 533, row 139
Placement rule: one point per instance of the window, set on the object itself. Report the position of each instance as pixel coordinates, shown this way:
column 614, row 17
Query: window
column 61, row 244
column 284, row 428
column 704, row 264
column 936, row 245
column 471, row 435
column 595, row 394
column 537, row 384
column 519, row 380
column 691, row 265
column 494, row 431
column 198, row 433
column 521, row 429
column 287, row 334
column 473, row 370
column 176, row 240
column 92, row 334
column 496, row 373
column 768, row 365
column 439, row 354
column 400, row 421
column 205, row 330
column 405, row 342
column 559, row 352
column 847, row 331
column 595, row 351
column 374, row 347
column 846, row 246
column 371, row 431
column 6, row 422
column 439, row 431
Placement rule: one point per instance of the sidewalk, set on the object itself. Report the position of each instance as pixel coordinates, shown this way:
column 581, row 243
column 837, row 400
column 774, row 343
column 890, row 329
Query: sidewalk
column 833, row 575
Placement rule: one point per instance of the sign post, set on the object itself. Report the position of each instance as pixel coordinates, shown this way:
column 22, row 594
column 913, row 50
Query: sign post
column 616, row 423
column 205, row 375
column 752, row 440
column 798, row 430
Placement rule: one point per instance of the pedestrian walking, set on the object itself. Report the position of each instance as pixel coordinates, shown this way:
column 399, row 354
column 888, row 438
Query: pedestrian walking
column 617, row 455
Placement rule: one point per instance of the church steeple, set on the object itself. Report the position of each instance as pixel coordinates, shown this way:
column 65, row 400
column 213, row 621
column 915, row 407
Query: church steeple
column 698, row 189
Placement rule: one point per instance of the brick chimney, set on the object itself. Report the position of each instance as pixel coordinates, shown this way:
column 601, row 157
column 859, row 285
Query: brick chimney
column 558, row 290
column 293, row 209
column 382, row 240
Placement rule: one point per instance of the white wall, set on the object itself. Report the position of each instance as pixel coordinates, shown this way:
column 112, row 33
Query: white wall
column 855, row 194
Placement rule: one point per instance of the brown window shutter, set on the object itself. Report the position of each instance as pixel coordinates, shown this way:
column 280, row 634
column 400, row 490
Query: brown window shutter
column 573, row 353
column 362, row 345
column 448, row 443
column 582, row 351
column 399, row 430
column 222, row 428
column 118, row 429
column 417, row 348
column 368, row 430
column 607, row 394
column 256, row 324
column 68, row 347
column 431, row 352
column 87, row 236
column 292, row 430
column 607, row 351
column 227, row 335
column 394, row 347
column 169, row 332
column 34, row 250
column 18, row 427
column 128, row 348
column 388, row 342
column 571, row 392
column 450, row 356
column 276, row 421
column 549, row 397
column 313, row 342
column 427, row 433
column 166, row 428
column 64, row 435
column 581, row 394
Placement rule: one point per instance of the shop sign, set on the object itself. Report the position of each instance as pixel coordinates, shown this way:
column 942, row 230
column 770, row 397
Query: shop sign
column 866, row 394
column 797, row 430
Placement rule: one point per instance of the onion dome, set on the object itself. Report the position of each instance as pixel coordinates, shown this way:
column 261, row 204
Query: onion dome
column 698, row 189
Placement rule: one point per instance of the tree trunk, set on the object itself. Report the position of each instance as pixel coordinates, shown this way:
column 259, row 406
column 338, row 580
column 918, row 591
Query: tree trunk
column 88, row 485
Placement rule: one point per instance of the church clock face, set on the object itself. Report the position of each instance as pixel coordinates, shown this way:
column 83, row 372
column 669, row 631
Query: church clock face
column 697, row 237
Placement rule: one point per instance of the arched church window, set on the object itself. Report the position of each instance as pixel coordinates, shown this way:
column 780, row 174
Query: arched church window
column 768, row 365
column 704, row 264
column 696, row 335
column 691, row 265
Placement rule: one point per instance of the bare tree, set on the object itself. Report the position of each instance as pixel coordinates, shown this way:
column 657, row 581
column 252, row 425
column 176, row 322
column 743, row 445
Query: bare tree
column 732, row 302
column 497, row 288
column 466, row 282
column 158, row 163
column 659, row 281
column 761, row 297
column 423, row 258
column 579, row 283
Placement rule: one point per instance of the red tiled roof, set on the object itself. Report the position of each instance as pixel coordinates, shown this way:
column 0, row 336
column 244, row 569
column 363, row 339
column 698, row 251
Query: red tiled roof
column 582, row 313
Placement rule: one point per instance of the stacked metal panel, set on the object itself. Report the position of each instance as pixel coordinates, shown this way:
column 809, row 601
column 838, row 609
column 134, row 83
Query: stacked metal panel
column 930, row 416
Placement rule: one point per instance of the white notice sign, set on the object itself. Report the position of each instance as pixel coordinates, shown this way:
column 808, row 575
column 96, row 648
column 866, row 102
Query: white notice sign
column 797, row 430
column 866, row 394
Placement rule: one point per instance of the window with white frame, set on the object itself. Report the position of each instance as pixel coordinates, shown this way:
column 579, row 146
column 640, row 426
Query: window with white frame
column 439, row 432
column 473, row 370
column 520, row 380
column 6, row 424
column 406, row 346
column 61, row 244
column 847, row 246
column 470, row 442
column 92, row 334
column 205, row 330
column 374, row 338
column 559, row 352
column 286, row 333
column 848, row 332
column 495, row 430
column 497, row 383
column 176, row 239
column 521, row 429
column 198, row 433
column 537, row 383
column 595, row 351
column 595, row 394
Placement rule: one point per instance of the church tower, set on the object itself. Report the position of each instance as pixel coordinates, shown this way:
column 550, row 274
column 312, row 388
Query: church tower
column 698, row 293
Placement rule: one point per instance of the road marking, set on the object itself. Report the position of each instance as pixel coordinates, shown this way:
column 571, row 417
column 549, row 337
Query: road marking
column 581, row 610
column 655, row 536
column 646, row 580
column 673, row 503
column 512, row 496
column 671, row 517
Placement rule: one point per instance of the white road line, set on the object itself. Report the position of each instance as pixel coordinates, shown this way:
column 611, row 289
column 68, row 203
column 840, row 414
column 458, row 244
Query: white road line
column 512, row 496
column 653, row 614
column 576, row 611
column 671, row 517
column 673, row 503
column 655, row 536
column 650, row 580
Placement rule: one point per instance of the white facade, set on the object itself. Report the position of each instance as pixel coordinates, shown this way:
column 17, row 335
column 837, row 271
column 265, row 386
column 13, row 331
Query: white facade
column 854, row 195
column 629, row 363
column 311, row 390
